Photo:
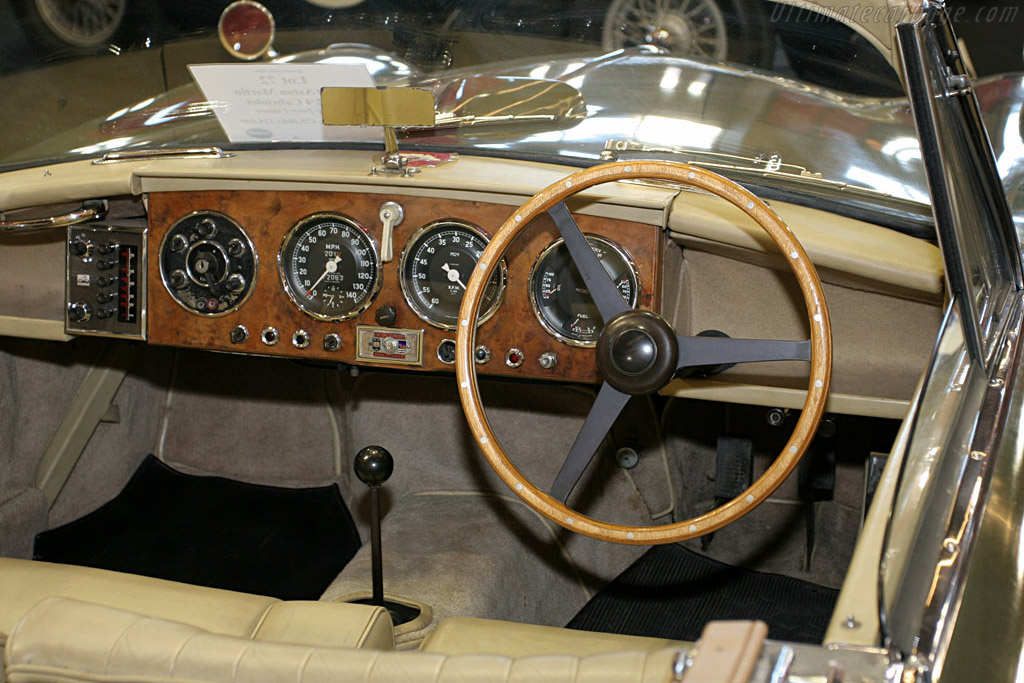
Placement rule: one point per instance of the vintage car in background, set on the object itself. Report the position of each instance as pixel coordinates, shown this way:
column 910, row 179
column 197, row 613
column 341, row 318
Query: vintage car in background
column 548, row 363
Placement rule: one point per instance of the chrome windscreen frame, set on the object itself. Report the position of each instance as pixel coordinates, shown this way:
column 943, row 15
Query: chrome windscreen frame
column 960, row 430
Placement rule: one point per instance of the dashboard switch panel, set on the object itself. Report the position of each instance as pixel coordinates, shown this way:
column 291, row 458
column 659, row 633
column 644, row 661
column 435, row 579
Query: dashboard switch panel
column 105, row 291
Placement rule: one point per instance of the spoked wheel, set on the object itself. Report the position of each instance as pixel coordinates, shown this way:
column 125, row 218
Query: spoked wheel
column 80, row 23
column 734, row 30
column 638, row 353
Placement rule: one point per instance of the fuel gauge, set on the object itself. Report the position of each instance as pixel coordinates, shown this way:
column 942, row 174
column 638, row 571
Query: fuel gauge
column 560, row 299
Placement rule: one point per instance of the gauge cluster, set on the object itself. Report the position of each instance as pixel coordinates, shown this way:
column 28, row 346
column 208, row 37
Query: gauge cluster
column 340, row 294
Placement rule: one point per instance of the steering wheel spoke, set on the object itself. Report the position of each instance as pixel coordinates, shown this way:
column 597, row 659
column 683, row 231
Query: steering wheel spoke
column 610, row 402
column 606, row 295
column 698, row 351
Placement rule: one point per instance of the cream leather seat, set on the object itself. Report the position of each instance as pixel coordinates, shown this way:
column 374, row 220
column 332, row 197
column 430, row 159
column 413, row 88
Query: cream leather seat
column 24, row 584
column 62, row 640
column 61, row 623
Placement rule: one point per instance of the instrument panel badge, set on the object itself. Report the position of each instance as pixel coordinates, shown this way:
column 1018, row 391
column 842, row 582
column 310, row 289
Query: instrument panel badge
column 389, row 345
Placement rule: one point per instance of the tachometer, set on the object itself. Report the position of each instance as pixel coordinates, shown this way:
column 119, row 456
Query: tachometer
column 330, row 267
column 560, row 299
column 435, row 266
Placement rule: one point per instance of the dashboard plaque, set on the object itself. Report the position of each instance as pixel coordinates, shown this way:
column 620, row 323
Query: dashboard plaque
column 389, row 345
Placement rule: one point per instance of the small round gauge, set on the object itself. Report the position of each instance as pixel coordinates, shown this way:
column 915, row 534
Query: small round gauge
column 436, row 265
column 560, row 299
column 329, row 266
column 208, row 263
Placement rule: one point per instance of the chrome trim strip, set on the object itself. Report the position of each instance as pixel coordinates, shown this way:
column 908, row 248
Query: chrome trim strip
column 91, row 210
column 155, row 154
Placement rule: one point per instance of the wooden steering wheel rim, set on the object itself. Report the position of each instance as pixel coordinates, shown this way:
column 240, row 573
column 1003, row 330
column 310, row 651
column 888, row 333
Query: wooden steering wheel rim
column 820, row 364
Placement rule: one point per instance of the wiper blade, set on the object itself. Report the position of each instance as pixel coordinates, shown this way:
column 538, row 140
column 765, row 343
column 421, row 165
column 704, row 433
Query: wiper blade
column 912, row 217
column 618, row 149
column 476, row 100
column 152, row 154
column 774, row 179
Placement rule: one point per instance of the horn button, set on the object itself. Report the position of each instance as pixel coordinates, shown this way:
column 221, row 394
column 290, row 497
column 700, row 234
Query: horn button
column 637, row 352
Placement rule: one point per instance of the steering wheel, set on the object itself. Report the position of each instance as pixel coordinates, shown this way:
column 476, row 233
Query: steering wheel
column 638, row 352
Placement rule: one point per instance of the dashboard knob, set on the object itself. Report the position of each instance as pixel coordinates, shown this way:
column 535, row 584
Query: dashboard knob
column 386, row 315
column 79, row 312
column 206, row 228
column 235, row 283
column 481, row 354
column 178, row 279
column 78, row 247
column 300, row 339
column 239, row 334
column 236, row 248
column 332, row 342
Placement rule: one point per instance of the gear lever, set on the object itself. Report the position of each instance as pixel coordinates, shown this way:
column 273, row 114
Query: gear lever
column 373, row 466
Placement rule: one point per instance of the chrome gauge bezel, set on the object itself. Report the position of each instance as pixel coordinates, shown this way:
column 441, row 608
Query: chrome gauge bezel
column 532, row 282
column 248, row 243
column 410, row 299
column 298, row 301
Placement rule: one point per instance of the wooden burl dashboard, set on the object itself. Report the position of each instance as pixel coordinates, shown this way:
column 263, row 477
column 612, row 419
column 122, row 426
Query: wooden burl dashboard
column 255, row 314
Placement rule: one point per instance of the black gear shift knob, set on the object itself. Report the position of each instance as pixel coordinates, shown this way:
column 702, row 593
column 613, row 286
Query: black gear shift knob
column 374, row 465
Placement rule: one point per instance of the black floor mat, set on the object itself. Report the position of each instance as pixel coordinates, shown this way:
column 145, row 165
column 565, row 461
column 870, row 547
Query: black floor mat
column 210, row 531
column 671, row 592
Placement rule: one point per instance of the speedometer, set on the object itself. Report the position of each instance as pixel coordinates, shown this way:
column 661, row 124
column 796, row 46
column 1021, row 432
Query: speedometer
column 329, row 266
column 435, row 266
column 560, row 299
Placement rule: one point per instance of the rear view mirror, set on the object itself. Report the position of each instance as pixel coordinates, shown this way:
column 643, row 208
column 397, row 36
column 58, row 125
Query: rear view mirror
column 394, row 107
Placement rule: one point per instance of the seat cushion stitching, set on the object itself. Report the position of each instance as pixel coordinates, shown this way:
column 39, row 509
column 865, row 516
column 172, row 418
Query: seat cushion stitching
column 181, row 648
column 120, row 637
column 238, row 660
column 305, row 662
column 262, row 620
